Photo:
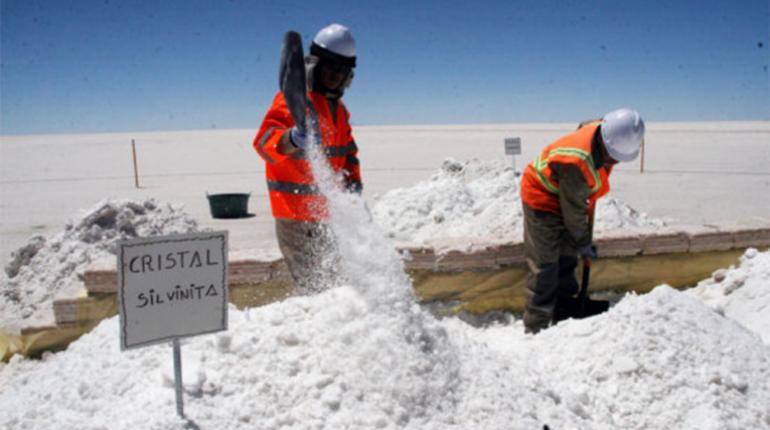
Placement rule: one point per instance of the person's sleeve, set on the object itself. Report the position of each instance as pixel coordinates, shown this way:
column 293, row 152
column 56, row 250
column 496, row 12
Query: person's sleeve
column 274, row 127
column 352, row 169
column 573, row 198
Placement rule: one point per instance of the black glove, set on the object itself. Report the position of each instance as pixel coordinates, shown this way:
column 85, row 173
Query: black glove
column 588, row 251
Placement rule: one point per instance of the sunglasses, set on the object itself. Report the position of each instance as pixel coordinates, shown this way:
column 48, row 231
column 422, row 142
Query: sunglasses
column 337, row 68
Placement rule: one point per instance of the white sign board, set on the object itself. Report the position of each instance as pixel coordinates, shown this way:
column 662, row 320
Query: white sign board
column 512, row 146
column 171, row 286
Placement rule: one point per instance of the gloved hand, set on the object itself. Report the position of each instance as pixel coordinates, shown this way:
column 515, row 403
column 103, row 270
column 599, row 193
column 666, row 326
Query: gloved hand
column 588, row 251
column 298, row 138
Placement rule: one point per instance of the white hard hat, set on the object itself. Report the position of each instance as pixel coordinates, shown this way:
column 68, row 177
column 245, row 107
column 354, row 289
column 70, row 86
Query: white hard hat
column 623, row 132
column 335, row 42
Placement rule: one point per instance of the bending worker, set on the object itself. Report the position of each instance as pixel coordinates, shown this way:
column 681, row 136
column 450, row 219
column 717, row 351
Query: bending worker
column 559, row 191
column 298, row 207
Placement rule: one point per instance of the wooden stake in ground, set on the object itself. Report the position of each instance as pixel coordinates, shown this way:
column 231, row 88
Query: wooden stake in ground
column 136, row 171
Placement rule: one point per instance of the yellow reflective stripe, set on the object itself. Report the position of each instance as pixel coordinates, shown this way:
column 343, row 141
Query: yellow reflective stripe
column 539, row 164
column 587, row 159
column 570, row 151
column 262, row 142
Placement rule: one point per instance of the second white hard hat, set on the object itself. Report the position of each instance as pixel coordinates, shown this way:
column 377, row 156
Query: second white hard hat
column 623, row 133
column 335, row 42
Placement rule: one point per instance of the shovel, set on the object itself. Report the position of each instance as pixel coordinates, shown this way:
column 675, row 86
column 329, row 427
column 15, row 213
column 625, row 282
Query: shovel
column 292, row 79
column 586, row 306
column 582, row 306
column 589, row 307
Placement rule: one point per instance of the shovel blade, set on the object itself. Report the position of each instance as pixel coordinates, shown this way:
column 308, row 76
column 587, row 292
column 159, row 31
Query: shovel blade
column 292, row 79
column 593, row 307
column 571, row 307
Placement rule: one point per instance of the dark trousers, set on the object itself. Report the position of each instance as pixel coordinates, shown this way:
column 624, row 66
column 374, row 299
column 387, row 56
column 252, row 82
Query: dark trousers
column 551, row 258
column 309, row 251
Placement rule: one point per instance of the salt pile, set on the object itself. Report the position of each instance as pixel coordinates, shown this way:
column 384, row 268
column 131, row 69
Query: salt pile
column 476, row 199
column 46, row 268
column 662, row 360
column 741, row 293
column 471, row 199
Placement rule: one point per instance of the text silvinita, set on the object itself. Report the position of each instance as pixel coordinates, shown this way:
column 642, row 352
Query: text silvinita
column 178, row 294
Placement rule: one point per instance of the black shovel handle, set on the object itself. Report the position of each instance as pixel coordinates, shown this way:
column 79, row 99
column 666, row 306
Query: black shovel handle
column 583, row 294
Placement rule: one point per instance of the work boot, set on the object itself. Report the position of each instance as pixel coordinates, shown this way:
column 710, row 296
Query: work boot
column 536, row 320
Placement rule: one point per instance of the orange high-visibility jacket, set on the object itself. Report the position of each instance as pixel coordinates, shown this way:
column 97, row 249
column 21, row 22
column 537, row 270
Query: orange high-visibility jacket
column 290, row 182
column 539, row 189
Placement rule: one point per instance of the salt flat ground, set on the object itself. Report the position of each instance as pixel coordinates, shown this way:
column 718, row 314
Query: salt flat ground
column 693, row 172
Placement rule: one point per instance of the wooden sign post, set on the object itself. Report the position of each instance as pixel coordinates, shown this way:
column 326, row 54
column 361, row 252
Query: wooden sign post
column 136, row 170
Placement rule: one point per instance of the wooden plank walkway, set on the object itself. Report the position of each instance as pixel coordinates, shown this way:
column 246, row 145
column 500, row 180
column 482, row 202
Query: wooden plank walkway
column 490, row 276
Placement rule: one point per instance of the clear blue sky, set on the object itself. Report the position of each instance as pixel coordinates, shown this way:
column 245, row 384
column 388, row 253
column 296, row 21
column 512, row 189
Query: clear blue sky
column 73, row 66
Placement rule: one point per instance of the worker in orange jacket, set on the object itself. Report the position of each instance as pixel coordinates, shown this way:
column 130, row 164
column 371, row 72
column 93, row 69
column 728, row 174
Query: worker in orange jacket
column 559, row 190
column 297, row 205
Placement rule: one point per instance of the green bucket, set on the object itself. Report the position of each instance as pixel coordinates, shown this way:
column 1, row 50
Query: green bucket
column 230, row 205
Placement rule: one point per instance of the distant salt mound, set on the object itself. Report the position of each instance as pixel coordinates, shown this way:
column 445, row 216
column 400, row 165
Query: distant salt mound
column 475, row 199
column 332, row 360
column 741, row 293
column 468, row 199
column 612, row 214
column 46, row 268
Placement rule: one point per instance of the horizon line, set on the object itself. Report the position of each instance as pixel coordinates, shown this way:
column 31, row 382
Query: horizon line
column 354, row 125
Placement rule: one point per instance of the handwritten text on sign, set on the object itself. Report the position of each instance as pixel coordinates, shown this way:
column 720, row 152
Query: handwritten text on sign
column 172, row 286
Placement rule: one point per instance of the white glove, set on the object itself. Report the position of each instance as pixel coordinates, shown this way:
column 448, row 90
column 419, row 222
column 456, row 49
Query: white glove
column 298, row 138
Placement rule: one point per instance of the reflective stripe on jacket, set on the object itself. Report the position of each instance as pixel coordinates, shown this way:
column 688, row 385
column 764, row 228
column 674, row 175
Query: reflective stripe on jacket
column 290, row 183
column 540, row 184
